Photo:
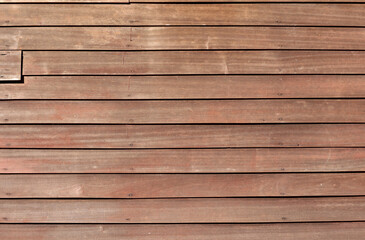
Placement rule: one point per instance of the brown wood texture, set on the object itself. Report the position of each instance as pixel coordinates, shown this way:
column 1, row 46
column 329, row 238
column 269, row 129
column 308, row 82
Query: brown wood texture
column 180, row 185
column 10, row 65
column 188, row 111
column 175, row 38
column 182, row 14
column 196, row 210
column 301, row 231
column 186, row 87
column 64, row 1
column 182, row 136
column 193, row 62
column 183, row 160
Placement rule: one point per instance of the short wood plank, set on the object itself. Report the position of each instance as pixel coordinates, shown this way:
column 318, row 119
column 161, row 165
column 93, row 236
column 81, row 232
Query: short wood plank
column 299, row 231
column 228, row 210
column 186, row 87
column 10, row 65
column 186, row 111
column 182, row 14
column 183, row 160
column 175, row 38
column 193, row 62
column 180, row 185
column 181, row 136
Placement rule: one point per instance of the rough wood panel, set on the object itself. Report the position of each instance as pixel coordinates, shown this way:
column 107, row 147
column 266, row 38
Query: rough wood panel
column 184, row 111
column 299, row 231
column 186, row 87
column 183, row 160
column 180, row 185
column 228, row 210
column 175, row 38
column 193, row 62
column 10, row 65
column 181, row 136
column 182, row 14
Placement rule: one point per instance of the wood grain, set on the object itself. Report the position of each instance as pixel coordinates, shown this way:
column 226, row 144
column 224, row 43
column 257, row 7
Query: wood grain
column 228, row 210
column 180, row 185
column 64, row 1
column 175, row 38
column 181, row 136
column 186, row 87
column 184, row 111
column 193, row 62
column 10, row 65
column 182, row 14
column 299, row 231
column 183, row 160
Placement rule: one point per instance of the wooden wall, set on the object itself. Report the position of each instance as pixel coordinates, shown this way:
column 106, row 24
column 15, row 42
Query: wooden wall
column 182, row 119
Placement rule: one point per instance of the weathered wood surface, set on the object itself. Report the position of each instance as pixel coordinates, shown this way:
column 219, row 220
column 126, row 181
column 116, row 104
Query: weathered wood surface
column 180, row 185
column 192, row 62
column 175, row 38
column 183, row 160
column 186, row 87
column 187, row 111
column 182, row 136
column 196, row 210
column 299, row 231
column 10, row 65
column 182, row 14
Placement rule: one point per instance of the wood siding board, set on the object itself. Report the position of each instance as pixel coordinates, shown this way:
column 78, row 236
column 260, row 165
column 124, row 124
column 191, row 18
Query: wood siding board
column 299, row 231
column 10, row 65
column 181, row 136
column 193, row 62
column 180, row 185
column 186, row 87
column 183, row 160
column 181, row 38
column 165, row 112
column 182, row 14
column 206, row 210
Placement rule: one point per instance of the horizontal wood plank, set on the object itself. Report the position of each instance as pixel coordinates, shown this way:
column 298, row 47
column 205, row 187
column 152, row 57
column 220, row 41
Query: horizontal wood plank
column 229, row 210
column 183, row 160
column 186, row 87
column 180, row 185
column 202, row 111
column 175, row 38
column 193, row 62
column 299, row 231
column 224, row 1
column 182, row 14
column 181, row 136
column 64, row 1
column 10, row 65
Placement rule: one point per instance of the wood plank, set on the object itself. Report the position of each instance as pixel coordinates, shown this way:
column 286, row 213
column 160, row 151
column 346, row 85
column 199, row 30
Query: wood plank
column 193, row 62
column 186, row 111
column 175, row 38
column 182, row 14
column 180, row 185
column 228, row 210
column 183, row 160
column 181, row 136
column 186, row 87
column 10, row 65
column 65, row 1
column 224, row 1
column 299, row 231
